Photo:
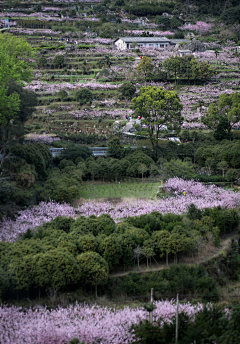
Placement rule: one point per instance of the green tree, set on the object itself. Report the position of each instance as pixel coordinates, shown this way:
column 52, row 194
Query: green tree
column 58, row 61
column 62, row 94
column 116, row 169
column 142, row 168
column 42, row 62
column 163, row 21
column 63, row 187
column 14, row 65
column 228, row 107
column 22, row 272
column 103, row 169
column 177, row 168
column 56, row 268
column 12, row 131
column 94, row 268
column 158, row 108
column 127, row 90
column 232, row 175
column 115, row 148
column 84, row 96
column 87, row 243
column 173, row 66
column 163, row 240
column 112, row 250
column 210, row 164
column 148, row 249
column 93, row 168
column 145, row 66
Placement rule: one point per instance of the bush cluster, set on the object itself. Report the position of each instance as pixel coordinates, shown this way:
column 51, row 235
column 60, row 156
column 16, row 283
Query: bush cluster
column 67, row 252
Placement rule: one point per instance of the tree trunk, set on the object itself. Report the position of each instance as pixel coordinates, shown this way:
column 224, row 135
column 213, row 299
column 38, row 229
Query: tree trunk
column 147, row 262
column 96, row 290
column 142, row 177
column 167, row 259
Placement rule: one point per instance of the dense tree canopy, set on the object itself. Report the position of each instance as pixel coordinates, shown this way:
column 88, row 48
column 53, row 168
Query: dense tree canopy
column 158, row 108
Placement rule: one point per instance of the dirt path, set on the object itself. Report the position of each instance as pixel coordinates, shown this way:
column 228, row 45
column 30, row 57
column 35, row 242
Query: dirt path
column 225, row 245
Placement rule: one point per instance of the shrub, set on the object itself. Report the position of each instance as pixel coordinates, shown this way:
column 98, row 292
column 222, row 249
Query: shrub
column 58, row 61
column 84, row 96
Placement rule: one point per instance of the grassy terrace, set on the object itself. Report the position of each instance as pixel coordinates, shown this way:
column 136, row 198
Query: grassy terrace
column 93, row 190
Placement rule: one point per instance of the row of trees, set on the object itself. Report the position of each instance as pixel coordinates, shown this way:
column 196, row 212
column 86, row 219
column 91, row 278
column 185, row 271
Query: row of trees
column 180, row 68
column 66, row 251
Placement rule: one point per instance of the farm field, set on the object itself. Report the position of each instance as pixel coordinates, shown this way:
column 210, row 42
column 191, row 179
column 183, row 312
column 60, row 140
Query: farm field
column 119, row 171
column 120, row 190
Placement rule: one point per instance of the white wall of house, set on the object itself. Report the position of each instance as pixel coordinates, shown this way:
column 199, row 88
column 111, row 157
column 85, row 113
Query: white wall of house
column 121, row 45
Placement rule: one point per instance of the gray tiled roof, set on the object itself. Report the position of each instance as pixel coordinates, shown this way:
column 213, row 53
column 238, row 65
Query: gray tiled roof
column 144, row 39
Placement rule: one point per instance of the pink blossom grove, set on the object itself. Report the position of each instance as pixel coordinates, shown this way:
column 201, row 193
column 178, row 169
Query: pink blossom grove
column 203, row 196
column 33, row 217
column 90, row 324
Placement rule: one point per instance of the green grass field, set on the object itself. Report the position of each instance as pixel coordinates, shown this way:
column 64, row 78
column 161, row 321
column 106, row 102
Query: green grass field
column 115, row 190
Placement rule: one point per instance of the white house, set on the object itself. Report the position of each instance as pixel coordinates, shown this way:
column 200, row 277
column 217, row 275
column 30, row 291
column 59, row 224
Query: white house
column 124, row 43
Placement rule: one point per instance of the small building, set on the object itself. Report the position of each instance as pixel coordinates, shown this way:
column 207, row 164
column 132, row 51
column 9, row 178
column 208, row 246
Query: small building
column 238, row 49
column 125, row 43
column 184, row 52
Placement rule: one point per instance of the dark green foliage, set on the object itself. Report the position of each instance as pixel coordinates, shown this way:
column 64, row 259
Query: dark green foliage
column 62, row 95
column 58, row 61
column 145, row 9
column 139, row 158
column 194, row 213
column 212, row 324
column 224, row 151
column 84, row 96
column 103, row 224
column 127, row 90
column 163, row 21
column 231, row 15
column 225, row 219
column 119, row 3
column 72, row 153
column 42, row 62
column 36, row 154
column 222, row 130
column 63, row 186
column 177, row 279
column 61, row 223
column 115, row 148
column 160, row 332
column 47, row 256
column 112, row 250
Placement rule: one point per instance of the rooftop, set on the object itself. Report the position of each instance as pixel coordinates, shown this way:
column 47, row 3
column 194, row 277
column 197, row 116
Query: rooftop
column 144, row 39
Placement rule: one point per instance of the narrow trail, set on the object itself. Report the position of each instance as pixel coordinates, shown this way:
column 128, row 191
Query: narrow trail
column 224, row 246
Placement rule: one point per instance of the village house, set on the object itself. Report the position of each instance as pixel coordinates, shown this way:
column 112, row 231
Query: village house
column 124, row 43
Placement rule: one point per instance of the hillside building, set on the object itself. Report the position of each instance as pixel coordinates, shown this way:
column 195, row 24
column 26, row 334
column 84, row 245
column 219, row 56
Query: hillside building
column 126, row 43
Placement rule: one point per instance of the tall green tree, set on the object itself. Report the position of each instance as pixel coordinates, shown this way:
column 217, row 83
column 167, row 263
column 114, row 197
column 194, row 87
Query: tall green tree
column 12, row 130
column 94, row 269
column 158, row 108
column 115, row 148
column 14, row 65
column 145, row 66
column 56, row 268
column 172, row 66
column 228, row 108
